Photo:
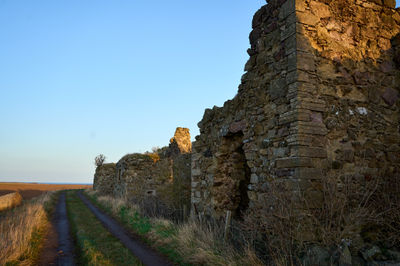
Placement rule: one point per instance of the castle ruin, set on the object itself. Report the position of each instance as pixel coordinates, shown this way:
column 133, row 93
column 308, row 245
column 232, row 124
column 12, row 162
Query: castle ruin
column 164, row 174
column 319, row 99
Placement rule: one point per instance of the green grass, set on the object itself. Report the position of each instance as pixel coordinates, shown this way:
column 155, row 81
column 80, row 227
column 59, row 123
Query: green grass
column 94, row 244
column 144, row 227
column 184, row 244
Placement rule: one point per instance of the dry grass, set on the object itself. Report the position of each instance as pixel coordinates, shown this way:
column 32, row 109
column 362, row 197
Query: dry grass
column 204, row 245
column 31, row 190
column 10, row 200
column 190, row 242
column 17, row 227
column 336, row 213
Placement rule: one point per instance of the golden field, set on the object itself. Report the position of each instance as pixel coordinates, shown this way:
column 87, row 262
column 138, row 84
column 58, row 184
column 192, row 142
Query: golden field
column 31, row 190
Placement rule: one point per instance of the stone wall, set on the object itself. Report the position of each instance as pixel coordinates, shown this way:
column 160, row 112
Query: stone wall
column 140, row 174
column 104, row 179
column 181, row 142
column 164, row 174
column 345, row 59
column 319, row 98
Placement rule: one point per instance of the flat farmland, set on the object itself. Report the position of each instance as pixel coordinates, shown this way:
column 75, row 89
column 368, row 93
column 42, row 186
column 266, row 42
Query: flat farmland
column 31, row 190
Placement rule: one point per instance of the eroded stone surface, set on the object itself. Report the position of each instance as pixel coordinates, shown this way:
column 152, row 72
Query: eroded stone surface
column 105, row 179
column 181, row 142
column 319, row 98
column 164, row 174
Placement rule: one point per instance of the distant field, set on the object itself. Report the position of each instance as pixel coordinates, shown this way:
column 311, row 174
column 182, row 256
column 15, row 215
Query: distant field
column 31, row 190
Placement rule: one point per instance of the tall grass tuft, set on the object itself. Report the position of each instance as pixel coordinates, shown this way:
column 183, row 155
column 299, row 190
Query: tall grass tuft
column 184, row 242
column 19, row 227
column 10, row 201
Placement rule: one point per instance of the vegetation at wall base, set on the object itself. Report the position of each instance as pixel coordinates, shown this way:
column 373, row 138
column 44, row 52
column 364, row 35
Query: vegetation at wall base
column 94, row 244
column 23, row 230
column 139, row 225
column 185, row 244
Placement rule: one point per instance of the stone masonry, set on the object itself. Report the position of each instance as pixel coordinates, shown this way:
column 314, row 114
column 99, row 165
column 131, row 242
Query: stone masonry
column 164, row 174
column 319, row 99
column 104, row 179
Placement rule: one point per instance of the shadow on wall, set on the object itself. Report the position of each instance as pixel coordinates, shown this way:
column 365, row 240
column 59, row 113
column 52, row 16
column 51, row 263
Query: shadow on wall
column 347, row 84
column 318, row 112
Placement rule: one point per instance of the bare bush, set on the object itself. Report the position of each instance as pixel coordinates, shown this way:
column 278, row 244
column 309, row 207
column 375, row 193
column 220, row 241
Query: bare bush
column 386, row 202
column 292, row 221
column 99, row 160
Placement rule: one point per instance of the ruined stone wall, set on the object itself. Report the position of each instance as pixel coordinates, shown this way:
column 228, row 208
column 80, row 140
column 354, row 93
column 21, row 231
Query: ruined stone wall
column 105, row 178
column 181, row 142
column 140, row 174
column 164, row 174
column 247, row 133
column 345, row 60
column 319, row 98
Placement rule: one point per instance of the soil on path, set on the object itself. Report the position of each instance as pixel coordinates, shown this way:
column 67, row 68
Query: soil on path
column 145, row 254
column 48, row 255
column 58, row 248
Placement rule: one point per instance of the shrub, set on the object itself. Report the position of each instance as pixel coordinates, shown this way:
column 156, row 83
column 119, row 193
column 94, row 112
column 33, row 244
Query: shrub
column 287, row 222
column 99, row 160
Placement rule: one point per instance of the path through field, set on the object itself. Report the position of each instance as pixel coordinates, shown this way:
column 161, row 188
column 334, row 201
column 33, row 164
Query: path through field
column 59, row 245
column 143, row 253
column 65, row 243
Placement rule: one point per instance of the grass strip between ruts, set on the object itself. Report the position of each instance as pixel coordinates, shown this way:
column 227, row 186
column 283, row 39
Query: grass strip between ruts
column 94, row 244
column 144, row 227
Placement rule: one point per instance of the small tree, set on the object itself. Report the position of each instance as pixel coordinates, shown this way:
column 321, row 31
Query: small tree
column 99, row 160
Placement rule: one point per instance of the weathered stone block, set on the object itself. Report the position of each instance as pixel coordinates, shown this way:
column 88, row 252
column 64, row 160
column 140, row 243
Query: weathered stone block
column 311, row 152
column 237, row 126
column 311, row 128
column 307, row 18
column 305, row 61
column 277, row 88
column 390, row 96
column 287, row 8
column 319, row 9
column 254, row 179
column 390, row 3
column 293, row 116
column 308, row 173
column 293, row 162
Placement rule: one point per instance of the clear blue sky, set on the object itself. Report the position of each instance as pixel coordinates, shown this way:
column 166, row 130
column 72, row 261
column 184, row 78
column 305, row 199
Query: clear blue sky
column 79, row 78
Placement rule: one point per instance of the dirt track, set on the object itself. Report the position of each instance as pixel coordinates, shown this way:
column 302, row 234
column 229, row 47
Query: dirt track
column 146, row 255
column 59, row 246
column 65, row 243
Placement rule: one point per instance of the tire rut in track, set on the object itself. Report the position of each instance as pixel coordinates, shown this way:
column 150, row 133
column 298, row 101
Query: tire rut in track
column 58, row 247
column 146, row 255
column 65, row 242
